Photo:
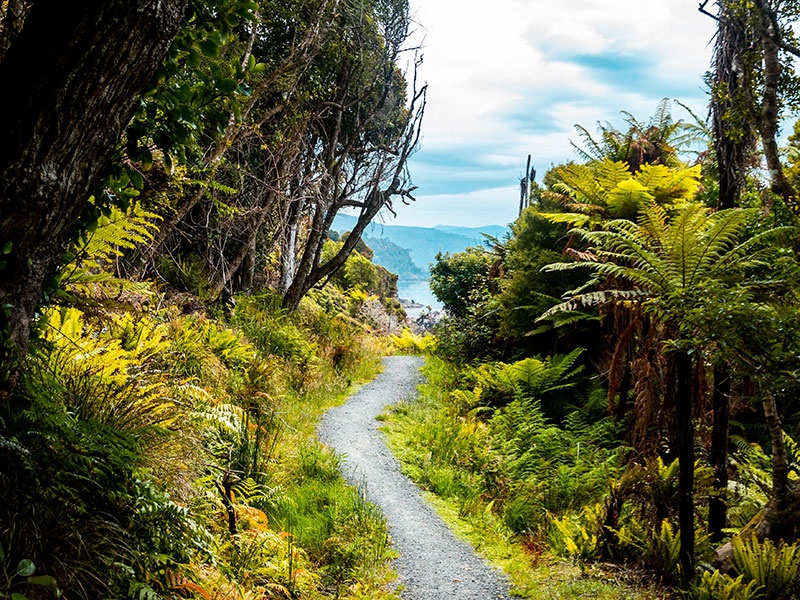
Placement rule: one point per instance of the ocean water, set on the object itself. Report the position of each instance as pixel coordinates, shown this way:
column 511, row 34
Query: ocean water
column 418, row 291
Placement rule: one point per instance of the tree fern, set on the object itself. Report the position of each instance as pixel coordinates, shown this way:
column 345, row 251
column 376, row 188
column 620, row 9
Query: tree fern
column 608, row 189
column 663, row 256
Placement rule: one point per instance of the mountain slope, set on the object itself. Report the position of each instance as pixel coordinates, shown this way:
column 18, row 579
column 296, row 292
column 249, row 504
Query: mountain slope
column 422, row 243
column 398, row 260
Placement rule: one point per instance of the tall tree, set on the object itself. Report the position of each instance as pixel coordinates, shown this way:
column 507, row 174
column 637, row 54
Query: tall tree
column 753, row 84
column 71, row 77
column 367, row 132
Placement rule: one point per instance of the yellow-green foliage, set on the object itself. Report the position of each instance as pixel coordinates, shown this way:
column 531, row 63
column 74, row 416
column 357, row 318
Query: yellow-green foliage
column 658, row 548
column 577, row 535
column 609, row 188
column 87, row 275
column 713, row 585
column 102, row 372
column 413, row 343
column 179, row 401
column 772, row 568
column 359, row 295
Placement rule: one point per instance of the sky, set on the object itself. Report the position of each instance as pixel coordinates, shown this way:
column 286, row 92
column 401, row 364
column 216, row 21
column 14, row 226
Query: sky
column 508, row 78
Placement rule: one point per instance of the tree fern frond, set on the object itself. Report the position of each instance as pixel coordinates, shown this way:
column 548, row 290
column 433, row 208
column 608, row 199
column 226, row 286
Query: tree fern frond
column 595, row 151
column 592, row 299
column 569, row 218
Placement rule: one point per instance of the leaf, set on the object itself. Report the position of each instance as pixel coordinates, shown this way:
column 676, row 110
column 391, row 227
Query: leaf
column 626, row 198
column 209, row 48
column 6, row 249
column 17, row 596
column 193, row 59
column 25, row 567
column 611, row 174
column 45, row 580
column 226, row 85
column 136, row 179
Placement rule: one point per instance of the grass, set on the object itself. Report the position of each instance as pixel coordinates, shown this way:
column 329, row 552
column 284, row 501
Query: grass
column 533, row 574
column 343, row 534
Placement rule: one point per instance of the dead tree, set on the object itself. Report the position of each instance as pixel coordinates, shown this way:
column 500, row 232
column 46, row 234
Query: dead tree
column 373, row 179
column 524, row 187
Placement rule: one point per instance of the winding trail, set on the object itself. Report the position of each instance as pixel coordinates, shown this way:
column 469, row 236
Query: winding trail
column 433, row 563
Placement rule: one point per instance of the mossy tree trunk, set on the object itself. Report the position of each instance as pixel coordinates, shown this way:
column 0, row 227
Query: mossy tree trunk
column 70, row 80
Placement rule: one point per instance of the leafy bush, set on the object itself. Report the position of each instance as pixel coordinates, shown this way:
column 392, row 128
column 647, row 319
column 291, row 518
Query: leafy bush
column 657, row 547
column 457, row 280
column 463, row 339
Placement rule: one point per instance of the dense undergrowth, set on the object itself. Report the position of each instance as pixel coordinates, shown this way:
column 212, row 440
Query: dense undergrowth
column 153, row 454
column 500, row 476
column 545, row 489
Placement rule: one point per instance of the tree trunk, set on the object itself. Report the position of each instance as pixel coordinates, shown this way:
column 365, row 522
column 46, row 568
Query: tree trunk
column 229, row 269
column 247, row 270
column 70, row 82
column 717, row 507
column 312, row 273
column 683, row 413
column 768, row 114
column 289, row 244
column 733, row 142
column 780, row 519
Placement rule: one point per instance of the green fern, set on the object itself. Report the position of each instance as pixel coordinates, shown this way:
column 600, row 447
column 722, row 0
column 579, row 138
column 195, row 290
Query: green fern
column 772, row 568
column 713, row 585
column 87, row 278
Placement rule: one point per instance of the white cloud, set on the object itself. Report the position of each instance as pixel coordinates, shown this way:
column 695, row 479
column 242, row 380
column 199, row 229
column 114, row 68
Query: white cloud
column 512, row 77
column 473, row 209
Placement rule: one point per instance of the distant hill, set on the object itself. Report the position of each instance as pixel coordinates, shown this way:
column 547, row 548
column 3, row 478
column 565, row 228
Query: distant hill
column 422, row 243
column 497, row 231
column 396, row 259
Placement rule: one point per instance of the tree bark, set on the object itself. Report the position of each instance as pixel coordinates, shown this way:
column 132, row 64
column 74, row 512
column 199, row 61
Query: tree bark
column 780, row 519
column 683, row 410
column 717, row 507
column 70, row 82
column 732, row 144
column 767, row 117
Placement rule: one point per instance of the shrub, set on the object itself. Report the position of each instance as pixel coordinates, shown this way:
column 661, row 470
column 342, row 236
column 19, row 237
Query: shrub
column 713, row 585
column 577, row 535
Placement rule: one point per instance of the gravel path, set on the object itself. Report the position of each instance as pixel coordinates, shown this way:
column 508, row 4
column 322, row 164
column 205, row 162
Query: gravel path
column 433, row 563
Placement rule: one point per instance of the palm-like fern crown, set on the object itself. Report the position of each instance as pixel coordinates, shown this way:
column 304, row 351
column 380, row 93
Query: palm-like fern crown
column 626, row 170
column 609, row 189
column 662, row 256
column 657, row 142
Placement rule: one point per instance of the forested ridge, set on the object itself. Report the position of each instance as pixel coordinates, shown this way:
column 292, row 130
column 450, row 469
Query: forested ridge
column 610, row 407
